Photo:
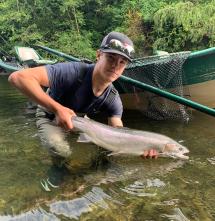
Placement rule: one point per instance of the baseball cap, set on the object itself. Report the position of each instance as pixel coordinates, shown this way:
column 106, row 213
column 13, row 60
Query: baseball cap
column 118, row 43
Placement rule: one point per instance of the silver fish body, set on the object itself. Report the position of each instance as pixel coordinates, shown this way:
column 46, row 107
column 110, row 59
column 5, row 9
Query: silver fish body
column 127, row 141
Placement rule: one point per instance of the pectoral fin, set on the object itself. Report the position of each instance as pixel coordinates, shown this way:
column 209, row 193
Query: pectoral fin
column 84, row 138
column 114, row 153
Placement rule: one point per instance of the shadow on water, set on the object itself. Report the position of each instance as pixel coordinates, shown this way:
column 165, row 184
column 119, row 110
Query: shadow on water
column 97, row 187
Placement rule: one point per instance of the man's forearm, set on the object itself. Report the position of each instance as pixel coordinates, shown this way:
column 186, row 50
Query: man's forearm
column 31, row 87
column 115, row 122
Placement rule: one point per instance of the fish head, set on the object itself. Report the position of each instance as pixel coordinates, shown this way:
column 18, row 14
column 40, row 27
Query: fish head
column 175, row 150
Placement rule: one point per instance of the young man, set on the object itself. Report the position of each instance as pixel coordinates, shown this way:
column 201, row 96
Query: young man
column 75, row 88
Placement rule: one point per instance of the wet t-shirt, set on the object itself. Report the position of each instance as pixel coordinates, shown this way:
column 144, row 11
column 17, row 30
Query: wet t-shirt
column 72, row 90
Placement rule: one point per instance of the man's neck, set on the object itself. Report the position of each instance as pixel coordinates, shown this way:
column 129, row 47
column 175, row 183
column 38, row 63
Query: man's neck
column 98, row 84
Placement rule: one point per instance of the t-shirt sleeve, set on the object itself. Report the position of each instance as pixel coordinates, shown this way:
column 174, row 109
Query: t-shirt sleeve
column 115, row 108
column 62, row 75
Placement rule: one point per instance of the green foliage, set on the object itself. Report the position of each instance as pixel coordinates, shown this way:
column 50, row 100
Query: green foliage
column 145, row 8
column 76, row 45
column 137, row 23
column 77, row 26
column 185, row 26
column 101, row 17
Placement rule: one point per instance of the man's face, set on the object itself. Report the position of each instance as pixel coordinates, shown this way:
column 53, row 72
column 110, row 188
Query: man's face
column 110, row 66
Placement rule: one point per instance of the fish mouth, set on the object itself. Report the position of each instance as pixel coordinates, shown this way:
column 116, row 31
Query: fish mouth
column 183, row 155
column 176, row 155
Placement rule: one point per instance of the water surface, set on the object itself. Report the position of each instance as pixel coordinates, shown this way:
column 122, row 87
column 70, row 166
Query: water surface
column 114, row 188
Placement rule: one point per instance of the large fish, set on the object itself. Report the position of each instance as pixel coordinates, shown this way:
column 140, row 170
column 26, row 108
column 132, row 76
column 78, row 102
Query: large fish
column 127, row 141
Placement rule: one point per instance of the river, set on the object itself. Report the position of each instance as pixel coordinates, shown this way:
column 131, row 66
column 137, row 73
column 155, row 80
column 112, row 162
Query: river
column 114, row 188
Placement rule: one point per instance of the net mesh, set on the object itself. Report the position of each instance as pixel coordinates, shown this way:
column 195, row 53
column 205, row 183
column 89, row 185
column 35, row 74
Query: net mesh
column 164, row 72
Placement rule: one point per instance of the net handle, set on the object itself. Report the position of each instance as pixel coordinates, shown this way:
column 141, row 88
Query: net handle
column 170, row 96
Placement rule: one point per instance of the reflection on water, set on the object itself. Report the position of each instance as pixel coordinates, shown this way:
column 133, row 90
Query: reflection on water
column 138, row 188
column 120, row 188
column 211, row 160
column 34, row 215
column 177, row 216
column 76, row 207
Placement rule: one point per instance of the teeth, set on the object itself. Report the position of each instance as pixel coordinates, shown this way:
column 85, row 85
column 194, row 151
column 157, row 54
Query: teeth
column 185, row 157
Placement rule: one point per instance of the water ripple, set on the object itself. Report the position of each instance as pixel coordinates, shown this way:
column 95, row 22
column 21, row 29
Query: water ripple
column 172, row 202
column 177, row 216
column 33, row 215
column 139, row 188
column 211, row 160
column 74, row 208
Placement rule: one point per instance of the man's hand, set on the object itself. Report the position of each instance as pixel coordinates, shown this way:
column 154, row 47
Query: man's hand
column 150, row 154
column 63, row 117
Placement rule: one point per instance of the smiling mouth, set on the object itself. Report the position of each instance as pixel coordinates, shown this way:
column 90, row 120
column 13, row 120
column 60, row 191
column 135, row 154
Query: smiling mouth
column 112, row 73
column 176, row 155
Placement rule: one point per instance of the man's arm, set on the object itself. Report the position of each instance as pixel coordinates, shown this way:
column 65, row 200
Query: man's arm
column 29, row 82
column 115, row 122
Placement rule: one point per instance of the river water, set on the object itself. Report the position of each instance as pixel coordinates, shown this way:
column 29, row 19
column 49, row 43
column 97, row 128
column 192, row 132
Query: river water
column 114, row 188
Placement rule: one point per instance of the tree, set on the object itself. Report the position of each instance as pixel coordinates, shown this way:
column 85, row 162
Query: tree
column 185, row 26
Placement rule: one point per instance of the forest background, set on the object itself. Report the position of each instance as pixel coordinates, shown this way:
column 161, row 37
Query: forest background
column 76, row 27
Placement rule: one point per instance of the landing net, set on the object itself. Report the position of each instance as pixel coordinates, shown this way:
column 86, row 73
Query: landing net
column 164, row 72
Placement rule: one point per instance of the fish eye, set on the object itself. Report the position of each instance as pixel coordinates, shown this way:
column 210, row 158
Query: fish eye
column 180, row 148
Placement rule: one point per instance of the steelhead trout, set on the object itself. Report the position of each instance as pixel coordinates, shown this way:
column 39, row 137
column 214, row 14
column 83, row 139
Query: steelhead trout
column 122, row 141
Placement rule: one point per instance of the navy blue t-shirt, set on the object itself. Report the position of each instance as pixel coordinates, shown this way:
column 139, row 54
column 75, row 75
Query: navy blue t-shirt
column 65, row 88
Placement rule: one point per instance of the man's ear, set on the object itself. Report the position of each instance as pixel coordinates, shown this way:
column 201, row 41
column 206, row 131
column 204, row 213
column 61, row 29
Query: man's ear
column 98, row 54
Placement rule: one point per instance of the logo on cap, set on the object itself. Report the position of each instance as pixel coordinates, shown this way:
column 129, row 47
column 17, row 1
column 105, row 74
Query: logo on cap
column 124, row 48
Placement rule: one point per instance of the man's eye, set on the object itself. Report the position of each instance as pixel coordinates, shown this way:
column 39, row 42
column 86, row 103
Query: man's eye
column 110, row 57
column 123, row 62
